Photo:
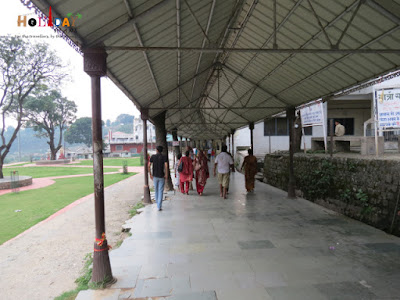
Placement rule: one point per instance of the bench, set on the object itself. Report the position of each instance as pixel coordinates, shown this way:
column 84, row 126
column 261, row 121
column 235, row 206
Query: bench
column 342, row 143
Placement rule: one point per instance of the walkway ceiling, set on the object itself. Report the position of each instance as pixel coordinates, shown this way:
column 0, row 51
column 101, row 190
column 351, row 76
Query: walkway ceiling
column 217, row 65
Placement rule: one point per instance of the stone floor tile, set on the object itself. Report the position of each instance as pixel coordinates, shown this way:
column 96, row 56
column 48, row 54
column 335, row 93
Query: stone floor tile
column 181, row 285
column 262, row 244
column 305, row 292
column 207, row 295
column 153, row 271
column 161, row 287
column 345, row 291
column 152, row 235
column 384, row 247
column 241, row 294
column 126, row 276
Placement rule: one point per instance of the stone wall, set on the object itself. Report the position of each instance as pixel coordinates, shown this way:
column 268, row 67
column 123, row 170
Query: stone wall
column 363, row 189
column 5, row 183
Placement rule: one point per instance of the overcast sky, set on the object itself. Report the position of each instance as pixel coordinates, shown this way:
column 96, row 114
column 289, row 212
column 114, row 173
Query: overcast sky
column 114, row 102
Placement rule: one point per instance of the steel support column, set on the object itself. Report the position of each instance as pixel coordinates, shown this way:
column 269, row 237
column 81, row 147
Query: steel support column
column 290, row 113
column 95, row 66
column 251, row 127
column 233, row 143
column 144, row 114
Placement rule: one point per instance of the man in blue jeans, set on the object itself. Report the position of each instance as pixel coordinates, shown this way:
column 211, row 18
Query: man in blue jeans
column 159, row 174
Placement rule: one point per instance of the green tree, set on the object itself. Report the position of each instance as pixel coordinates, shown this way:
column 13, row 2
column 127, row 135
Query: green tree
column 124, row 119
column 126, row 128
column 23, row 67
column 48, row 112
column 80, row 132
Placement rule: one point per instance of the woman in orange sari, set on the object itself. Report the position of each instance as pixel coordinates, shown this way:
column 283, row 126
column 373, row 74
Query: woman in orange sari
column 250, row 170
column 186, row 175
column 201, row 168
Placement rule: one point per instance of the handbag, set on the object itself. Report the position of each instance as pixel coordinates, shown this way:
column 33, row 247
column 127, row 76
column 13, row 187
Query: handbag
column 180, row 166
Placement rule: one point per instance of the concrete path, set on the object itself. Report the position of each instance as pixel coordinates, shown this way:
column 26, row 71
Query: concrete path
column 251, row 246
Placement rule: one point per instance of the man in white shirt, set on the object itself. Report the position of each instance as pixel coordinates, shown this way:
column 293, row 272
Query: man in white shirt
column 224, row 162
column 339, row 129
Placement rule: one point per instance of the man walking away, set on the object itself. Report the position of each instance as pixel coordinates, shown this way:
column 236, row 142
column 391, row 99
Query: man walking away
column 224, row 162
column 159, row 174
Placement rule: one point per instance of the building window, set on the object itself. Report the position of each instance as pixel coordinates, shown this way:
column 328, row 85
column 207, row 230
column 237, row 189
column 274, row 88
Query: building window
column 308, row 130
column 133, row 150
column 276, row 126
column 119, row 147
column 282, row 126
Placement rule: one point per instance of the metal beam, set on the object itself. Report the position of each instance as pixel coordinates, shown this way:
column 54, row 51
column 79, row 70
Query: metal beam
column 258, row 86
column 320, row 24
column 126, row 24
column 178, row 41
column 201, row 123
column 221, row 108
column 348, row 23
column 289, row 14
column 197, row 21
column 255, row 50
column 203, row 44
column 275, row 45
column 376, row 6
column 146, row 58
column 177, row 87
column 340, row 59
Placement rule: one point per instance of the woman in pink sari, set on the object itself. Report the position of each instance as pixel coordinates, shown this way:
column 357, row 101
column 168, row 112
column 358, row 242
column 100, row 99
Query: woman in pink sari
column 186, row 175
column 201, row 168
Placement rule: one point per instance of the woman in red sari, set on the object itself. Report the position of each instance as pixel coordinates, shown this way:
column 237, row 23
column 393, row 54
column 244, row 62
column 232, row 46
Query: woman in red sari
column 201, row 168
column 186, row 175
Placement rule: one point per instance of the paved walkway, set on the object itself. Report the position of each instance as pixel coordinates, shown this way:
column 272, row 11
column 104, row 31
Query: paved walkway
column 251, row 246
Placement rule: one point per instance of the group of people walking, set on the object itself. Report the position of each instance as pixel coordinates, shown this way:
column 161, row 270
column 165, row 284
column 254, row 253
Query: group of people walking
column 196, row 166
column 191, row 166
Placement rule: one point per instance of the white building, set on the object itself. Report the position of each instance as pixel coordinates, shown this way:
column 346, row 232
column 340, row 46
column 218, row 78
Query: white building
column 135, row 137
column 138, row 131
column 354, row 111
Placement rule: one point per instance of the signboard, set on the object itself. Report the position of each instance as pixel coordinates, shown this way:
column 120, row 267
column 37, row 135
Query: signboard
column 388, row 107
column 175, row 143
column 312, row 115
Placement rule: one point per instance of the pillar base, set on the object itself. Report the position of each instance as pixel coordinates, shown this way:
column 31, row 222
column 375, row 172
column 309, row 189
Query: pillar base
column 146, row 195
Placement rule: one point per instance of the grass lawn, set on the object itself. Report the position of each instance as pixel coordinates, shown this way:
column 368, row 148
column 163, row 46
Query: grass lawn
column 132, row 162
column 37, row 205
column 39, row 172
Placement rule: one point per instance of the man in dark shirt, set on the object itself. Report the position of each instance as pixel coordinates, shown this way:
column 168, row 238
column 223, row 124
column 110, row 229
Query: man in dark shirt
column 159, row 173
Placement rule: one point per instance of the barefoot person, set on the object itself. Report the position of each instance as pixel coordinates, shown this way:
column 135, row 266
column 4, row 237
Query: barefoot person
column 250, row 170
column 224, row 163
column 201, row 168
column 186, row 174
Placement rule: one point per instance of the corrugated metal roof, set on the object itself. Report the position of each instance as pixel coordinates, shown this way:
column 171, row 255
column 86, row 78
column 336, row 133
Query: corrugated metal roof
column 207, row 94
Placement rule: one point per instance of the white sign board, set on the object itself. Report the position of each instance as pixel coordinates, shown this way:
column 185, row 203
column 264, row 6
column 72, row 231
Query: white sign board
column 175, row 143
column 388, row 107
column 312, row 115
